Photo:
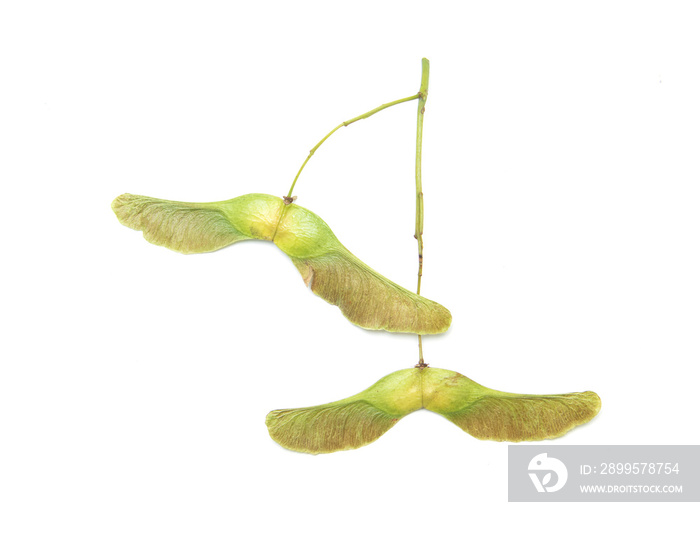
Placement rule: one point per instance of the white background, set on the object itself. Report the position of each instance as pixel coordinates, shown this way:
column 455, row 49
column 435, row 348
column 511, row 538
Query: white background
column 562, row 227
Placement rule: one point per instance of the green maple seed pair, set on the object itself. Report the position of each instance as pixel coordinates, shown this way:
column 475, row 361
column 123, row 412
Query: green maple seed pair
column 368, row 300
column 484, row 413
column 365, row 297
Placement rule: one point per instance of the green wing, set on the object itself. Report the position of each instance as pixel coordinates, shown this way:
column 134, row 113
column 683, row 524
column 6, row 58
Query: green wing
column 349, row 423
column 186, row 227
column 495, row 415
column 328, row 428
column 369, row 299
column 526, row 417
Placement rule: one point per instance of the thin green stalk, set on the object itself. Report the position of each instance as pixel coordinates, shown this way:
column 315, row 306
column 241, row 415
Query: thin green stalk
column 422, row 98
column 346, row 123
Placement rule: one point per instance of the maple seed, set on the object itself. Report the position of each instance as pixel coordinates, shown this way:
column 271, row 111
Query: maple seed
column 484, row 413
column 365, row 297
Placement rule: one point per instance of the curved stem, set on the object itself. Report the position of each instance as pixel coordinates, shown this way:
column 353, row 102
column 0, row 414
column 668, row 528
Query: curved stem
column 422, row 98
column 346, row 123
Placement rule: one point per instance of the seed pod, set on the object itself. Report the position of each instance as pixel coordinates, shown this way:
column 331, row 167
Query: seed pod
column 481, row 412
column 365, row 297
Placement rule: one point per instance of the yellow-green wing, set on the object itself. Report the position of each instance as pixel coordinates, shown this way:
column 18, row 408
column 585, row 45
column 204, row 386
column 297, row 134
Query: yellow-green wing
column 367, row 298
column 494, row 415
column 324, row 429
column 349, row 423
column 186, row 227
